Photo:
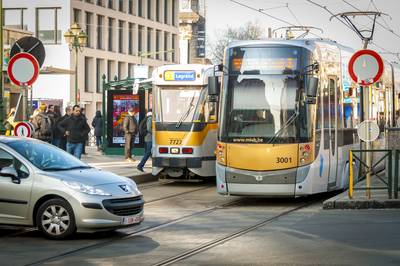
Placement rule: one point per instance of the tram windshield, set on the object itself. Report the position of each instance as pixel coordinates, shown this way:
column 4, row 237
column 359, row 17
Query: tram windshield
column 263, row 96
column 179, row 104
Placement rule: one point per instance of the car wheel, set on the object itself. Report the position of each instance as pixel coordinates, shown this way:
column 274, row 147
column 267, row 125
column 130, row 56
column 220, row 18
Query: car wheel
column 55, row 218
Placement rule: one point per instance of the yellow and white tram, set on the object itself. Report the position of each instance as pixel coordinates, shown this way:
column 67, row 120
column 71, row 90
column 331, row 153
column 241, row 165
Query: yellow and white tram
column 185, row 121
column 276, row 138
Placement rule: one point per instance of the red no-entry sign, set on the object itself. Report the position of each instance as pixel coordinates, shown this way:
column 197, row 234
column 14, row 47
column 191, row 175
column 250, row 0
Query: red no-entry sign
column 23, row 69
column 366, row 67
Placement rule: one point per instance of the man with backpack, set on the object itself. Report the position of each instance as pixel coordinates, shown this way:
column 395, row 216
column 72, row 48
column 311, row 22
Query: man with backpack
column 42, row 125
column 75, row 128
column 145, row 129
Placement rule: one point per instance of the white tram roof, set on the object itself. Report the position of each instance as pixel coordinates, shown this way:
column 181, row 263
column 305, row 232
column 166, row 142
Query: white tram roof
column 184, row 75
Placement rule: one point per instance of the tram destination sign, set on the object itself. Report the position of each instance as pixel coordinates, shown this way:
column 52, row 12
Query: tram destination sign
column 180, row 75
column 366, row 67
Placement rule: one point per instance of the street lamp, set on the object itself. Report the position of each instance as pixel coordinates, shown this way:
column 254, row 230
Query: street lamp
column 76, row 39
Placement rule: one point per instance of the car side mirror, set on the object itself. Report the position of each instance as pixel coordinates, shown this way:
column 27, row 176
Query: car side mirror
column 213, row 86
column 12, row 173
column 312, row 87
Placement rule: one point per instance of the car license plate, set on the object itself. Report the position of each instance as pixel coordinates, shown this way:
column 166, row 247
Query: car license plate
column 131, row 220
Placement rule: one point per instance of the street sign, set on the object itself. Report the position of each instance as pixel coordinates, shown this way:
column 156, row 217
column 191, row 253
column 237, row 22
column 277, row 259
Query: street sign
column 29, row 45
column 365, row 67
column 23, row 129
column 368, row 130
column 23, row 69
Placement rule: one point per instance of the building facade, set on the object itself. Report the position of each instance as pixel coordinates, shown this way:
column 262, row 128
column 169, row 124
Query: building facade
column 121, row 34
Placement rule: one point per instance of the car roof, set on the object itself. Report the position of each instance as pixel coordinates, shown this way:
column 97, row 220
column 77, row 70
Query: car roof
column 9, row 139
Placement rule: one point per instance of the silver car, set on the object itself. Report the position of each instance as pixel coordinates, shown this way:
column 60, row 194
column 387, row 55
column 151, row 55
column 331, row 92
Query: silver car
column 44, row 187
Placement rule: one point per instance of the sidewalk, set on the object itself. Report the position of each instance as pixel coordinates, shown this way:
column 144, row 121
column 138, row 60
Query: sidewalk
column 379, row 198
column 118, row 165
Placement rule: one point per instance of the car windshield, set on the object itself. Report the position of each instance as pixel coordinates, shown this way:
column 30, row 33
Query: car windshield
column 46, row 157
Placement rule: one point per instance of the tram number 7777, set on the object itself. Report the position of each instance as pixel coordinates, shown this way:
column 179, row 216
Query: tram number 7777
column 175, row 141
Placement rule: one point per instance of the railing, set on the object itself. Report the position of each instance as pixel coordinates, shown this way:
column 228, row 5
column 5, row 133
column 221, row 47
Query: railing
column 372, row 170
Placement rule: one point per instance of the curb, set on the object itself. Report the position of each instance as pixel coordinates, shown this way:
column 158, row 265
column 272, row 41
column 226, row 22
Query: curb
column 143, row 178
column 361, row 204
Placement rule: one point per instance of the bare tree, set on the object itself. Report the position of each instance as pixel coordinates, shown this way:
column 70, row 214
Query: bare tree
column 249, row 31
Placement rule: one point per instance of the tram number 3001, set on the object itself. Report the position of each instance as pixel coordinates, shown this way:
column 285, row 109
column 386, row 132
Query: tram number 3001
column 283, row 159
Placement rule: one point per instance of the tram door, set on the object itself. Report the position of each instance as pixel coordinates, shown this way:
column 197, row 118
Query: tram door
column 332, row 132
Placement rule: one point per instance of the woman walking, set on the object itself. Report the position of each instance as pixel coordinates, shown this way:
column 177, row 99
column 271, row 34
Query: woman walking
column 97, row 124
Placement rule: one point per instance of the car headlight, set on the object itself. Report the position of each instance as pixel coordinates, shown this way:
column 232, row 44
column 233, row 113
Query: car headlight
column 85, row 188
column 133, row 187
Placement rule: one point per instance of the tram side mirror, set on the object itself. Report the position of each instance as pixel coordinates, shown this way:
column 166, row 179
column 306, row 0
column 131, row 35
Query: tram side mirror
column 312, row 87
column 213, row 86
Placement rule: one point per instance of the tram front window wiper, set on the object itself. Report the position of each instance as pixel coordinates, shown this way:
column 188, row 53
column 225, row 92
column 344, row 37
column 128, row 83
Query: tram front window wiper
column 185, row 114
column 291, row 119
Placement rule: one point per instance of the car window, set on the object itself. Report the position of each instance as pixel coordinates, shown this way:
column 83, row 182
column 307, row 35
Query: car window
column 7, row 160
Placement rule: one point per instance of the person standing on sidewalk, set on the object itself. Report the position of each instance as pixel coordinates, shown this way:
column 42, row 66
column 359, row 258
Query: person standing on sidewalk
column 97, row 124
column 130, row 127
column 75, row 128
column 63, row 139
column 42, row 125
column 83, row 114
column 146, row 129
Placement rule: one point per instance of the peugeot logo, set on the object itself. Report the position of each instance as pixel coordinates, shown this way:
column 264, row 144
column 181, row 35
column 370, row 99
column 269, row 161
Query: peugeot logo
column 125, row 188
column 259, row 178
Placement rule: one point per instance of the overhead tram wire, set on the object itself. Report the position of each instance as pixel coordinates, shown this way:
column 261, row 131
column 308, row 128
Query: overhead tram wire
column 271, row 16
column 377, row 22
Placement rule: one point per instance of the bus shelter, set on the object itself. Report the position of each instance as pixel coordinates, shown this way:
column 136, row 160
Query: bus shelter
column 118, row 97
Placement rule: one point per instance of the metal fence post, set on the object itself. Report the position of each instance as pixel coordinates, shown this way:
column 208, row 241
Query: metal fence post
column 390, row 174
column 351, row 176
column 396, row 174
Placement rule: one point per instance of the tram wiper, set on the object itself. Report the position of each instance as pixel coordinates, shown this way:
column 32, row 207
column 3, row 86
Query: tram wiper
column 183, row 117
column 288, row 122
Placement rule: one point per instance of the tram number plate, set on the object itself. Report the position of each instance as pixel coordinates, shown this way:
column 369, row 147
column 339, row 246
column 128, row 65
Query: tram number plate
column 131, row 219
column 175, row 141
column 283, row 160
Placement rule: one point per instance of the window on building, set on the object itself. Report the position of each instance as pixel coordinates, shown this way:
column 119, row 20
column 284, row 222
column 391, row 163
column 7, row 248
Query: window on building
column 166, row 47
column 131, row 37
column 89, row 23
column 140, row 39
column 48, row 27
column 121, row 5
column 173, row 47
column 110, row 34
column 174, row 12
column 120, row 70
column 109, row 70
column 100, row 26
column 141, row 7
column 100, row 2
column 89, row 1
column 77, row 15
column 149, row 9
column 158, row 10
column 131, row 7
column 166, row 11
column 14, row 18
column 158, row 40
column 131, row 68
column 99, row 74
column 121, row 30
column 88, row 74
column 111, row 4
column 149, row 42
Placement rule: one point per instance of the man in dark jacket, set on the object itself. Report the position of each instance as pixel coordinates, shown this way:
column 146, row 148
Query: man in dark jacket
column 130, row 127
column 147, row 122
column 75, row 128
column 97, row 124
column 63, row 137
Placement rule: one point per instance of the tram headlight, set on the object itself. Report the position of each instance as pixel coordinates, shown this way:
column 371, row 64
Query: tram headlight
column 305, row 153
column 221, row 153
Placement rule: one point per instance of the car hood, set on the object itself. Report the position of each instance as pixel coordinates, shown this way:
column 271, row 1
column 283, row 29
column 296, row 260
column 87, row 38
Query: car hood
column 91, row 176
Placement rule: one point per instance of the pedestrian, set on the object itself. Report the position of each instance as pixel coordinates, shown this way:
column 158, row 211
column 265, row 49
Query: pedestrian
column 86, row 137
column 63, row 137
column 145, row 129
column 97, row 124
column 56, row 115
column 130, row 127
column 75, row 128
column 42, row 125
column 9, row 123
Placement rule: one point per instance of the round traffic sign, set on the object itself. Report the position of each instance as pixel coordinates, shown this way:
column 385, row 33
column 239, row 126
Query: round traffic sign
column 365, row 67
column 368, row 131
column 32, row 45
column 23, row 69
column 23, row 129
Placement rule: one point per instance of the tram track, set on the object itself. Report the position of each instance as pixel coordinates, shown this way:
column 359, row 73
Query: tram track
column 134, row 233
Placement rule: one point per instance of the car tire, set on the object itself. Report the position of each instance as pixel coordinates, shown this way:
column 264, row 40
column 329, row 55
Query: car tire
column 56, row 219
